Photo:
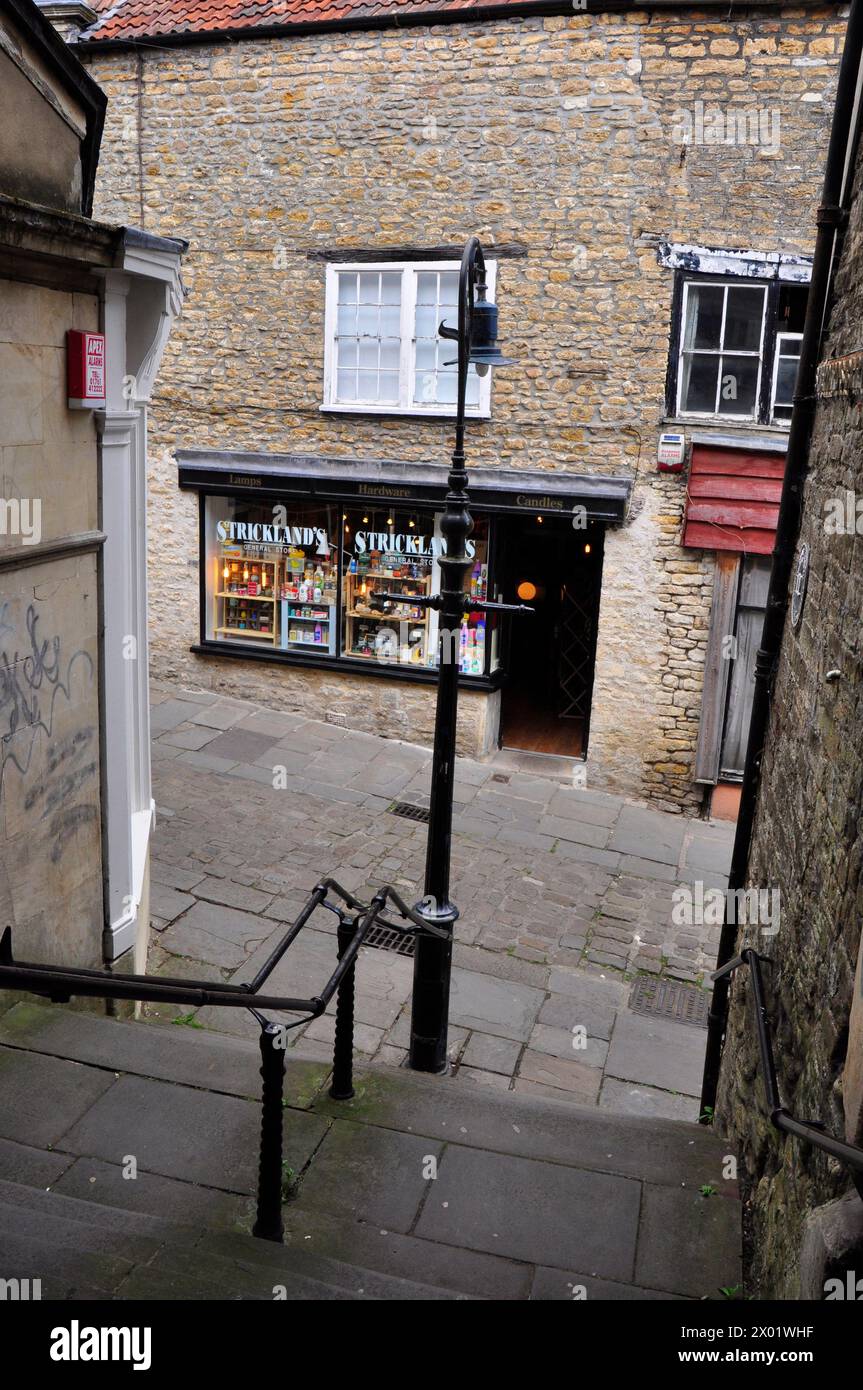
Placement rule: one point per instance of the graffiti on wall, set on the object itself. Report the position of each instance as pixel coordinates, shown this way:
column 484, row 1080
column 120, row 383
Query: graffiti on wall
column 35, row 679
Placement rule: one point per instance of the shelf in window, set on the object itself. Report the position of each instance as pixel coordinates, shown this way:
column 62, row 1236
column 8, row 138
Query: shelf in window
column 379, row 574
column 247, row 598
column 386, row 617
column 244, row 632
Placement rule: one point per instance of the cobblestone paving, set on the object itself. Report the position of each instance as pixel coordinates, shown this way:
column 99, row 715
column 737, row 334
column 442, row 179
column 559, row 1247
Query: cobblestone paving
column 565, row 896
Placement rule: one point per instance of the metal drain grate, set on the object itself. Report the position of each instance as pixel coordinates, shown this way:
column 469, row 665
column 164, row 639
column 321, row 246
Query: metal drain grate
column 500, row 776
column 385, row 939
column 409, row 811
column 670, row 999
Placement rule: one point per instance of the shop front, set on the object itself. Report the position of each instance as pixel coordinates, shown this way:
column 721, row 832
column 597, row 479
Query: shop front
column 294, row 548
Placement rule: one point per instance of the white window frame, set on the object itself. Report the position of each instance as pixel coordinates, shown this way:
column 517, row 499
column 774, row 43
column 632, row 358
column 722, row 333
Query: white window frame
column 407, row 358
column 726, row 285
column 777, row 355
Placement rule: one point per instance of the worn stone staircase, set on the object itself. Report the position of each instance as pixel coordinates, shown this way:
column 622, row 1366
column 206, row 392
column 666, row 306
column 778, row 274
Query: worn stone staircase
column 128, row 1157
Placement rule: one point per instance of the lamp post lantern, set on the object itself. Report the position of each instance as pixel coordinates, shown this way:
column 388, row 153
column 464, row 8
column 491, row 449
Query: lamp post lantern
column 476, row 336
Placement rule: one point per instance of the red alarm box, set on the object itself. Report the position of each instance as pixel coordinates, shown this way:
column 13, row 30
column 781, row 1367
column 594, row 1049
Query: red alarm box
column 85, row 370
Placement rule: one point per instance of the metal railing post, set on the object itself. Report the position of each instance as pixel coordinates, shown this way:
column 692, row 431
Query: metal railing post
column 268, row 1225
column 342, row 1087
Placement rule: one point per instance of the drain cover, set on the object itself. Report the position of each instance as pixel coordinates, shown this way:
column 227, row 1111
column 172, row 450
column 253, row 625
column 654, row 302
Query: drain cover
column 409, row 811
column 385, row 939
column 670, row 999
column 500, row 777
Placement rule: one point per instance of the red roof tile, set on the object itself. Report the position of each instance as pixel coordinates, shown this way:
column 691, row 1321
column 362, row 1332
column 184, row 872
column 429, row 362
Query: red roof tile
column 138, row 19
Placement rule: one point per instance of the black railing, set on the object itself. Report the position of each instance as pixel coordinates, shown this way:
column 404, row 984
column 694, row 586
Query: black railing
column 356, row 919
column 810, row 1130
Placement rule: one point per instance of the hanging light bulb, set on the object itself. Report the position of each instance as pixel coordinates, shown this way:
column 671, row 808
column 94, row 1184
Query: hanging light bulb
column 226, row 573
column 587, row 549
column 245, row 574
column 412, row 524
column 365, row 521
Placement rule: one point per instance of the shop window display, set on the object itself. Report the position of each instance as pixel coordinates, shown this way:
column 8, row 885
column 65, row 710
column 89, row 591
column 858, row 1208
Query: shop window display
column 277, row 579
column 399, row 552
column 271, row 574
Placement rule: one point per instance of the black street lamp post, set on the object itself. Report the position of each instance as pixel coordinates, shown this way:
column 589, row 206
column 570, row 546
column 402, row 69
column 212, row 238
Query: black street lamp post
column 476, row 336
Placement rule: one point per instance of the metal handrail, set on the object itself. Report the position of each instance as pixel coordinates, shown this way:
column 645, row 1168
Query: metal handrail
column 59, row 984
column 781, row 1118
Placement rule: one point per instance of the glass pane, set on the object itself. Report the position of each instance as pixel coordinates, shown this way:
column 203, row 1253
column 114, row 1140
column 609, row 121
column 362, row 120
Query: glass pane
column 388, row 387
column 703, row 316
column 347, row 287
column 347, row 351
column 738, row 386
column 448, row 293
column 426, row 322
column 370, row 287
column 347, row 319
column 346, row 386
column 743, row 315
column 785, row 379
column 367, row 386
column 698, row 391
column 390, row 349
column 446, row 388
column 390, row 322
column 369, row 354
column 367, row 322
column 426, row 356
column 391, row 287
column 425, row 388
column 426, row 287
column 472, row 394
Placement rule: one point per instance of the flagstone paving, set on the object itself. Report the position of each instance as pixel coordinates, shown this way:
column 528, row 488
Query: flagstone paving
column 565, row 895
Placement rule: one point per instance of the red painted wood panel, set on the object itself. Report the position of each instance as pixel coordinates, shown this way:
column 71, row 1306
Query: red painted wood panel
column 743, row 489
column 706, row 536
column 735, row 463
column 742, row 514
column 733, row 499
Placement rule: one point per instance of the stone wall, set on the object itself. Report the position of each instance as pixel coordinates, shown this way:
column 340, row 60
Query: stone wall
column 50, row 827
column 808, row 836
column 558, row 133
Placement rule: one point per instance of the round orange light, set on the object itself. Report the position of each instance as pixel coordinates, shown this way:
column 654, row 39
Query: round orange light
column 526, row 591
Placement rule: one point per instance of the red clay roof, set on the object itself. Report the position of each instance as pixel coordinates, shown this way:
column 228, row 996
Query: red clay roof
column 137, row 19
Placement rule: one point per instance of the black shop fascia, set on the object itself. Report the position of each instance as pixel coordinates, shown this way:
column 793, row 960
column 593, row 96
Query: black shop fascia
column 293, row 546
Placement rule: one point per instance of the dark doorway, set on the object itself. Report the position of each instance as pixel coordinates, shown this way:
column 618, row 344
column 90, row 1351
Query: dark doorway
column 545, row 703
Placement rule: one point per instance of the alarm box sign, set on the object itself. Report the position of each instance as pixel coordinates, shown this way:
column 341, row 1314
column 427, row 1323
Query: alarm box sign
column 85, row 366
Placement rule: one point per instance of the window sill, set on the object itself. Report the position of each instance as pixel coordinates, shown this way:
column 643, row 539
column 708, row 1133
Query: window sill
column 350, row 666
column 722, row 422
column 407, row 411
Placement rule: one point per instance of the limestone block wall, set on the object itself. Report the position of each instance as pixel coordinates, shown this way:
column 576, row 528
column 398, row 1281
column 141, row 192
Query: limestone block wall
column 50, row 832
column 561, row 135
column 808, row 837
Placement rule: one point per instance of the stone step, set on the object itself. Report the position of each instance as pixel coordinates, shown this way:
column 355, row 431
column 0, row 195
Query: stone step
column 532, row 1195
column 188, row 1056
column 81, row 1249
column 654, row 1149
